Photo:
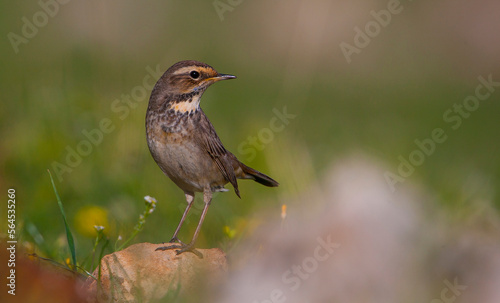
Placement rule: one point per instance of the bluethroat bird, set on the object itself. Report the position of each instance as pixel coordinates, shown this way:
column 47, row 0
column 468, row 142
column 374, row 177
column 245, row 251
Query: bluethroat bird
column 185, row 145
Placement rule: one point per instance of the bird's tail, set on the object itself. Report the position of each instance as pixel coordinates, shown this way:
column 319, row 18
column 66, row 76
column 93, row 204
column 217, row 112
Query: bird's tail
column 257, row 176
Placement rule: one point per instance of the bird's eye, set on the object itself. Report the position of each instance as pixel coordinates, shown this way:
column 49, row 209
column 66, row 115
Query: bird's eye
column 194, row 74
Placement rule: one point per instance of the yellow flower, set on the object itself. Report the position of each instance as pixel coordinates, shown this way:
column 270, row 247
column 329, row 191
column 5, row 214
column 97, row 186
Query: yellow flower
column 283, row 211
column 89, row 216
column 68, row 263
column 229, row 232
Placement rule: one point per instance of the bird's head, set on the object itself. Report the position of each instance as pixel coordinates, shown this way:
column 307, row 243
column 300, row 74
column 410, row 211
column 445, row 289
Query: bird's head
column 187, row 77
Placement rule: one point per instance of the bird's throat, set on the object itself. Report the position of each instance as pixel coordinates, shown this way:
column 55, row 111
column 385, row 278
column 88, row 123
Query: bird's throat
column 189, row 105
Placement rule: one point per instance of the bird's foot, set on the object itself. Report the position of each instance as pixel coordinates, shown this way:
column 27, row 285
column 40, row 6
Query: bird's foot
column 181, row 248
column 175, row 239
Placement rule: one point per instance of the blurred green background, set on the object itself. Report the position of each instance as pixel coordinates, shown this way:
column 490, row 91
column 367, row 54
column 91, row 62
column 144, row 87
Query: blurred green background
column 64, row 79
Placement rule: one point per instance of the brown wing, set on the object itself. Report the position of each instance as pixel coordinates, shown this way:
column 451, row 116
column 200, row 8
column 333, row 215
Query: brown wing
column 209, row 139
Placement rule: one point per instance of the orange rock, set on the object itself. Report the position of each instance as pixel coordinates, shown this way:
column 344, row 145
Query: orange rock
column 141, row 274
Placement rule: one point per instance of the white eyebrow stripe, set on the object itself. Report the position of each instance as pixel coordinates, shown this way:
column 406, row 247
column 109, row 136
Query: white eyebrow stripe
column 185, row 70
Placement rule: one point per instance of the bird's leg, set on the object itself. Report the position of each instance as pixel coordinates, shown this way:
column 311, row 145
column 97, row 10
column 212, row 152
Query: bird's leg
column 189, row 199
column 207, row 198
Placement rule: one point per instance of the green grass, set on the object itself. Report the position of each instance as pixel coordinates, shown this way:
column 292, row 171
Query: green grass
column 69, row 234
column 100, row 246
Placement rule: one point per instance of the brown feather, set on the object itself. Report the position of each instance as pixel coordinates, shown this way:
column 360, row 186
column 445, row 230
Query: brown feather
column 209, row 139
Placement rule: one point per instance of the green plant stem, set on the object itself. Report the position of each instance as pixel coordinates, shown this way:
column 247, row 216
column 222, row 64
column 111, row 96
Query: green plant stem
column 69, row 235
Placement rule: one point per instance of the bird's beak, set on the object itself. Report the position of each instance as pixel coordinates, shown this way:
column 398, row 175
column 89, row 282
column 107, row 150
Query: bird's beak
column 220, row 77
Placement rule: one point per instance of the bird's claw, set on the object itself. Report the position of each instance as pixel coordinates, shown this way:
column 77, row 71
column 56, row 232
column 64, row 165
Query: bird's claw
column 182, row 248
column 175, row 239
